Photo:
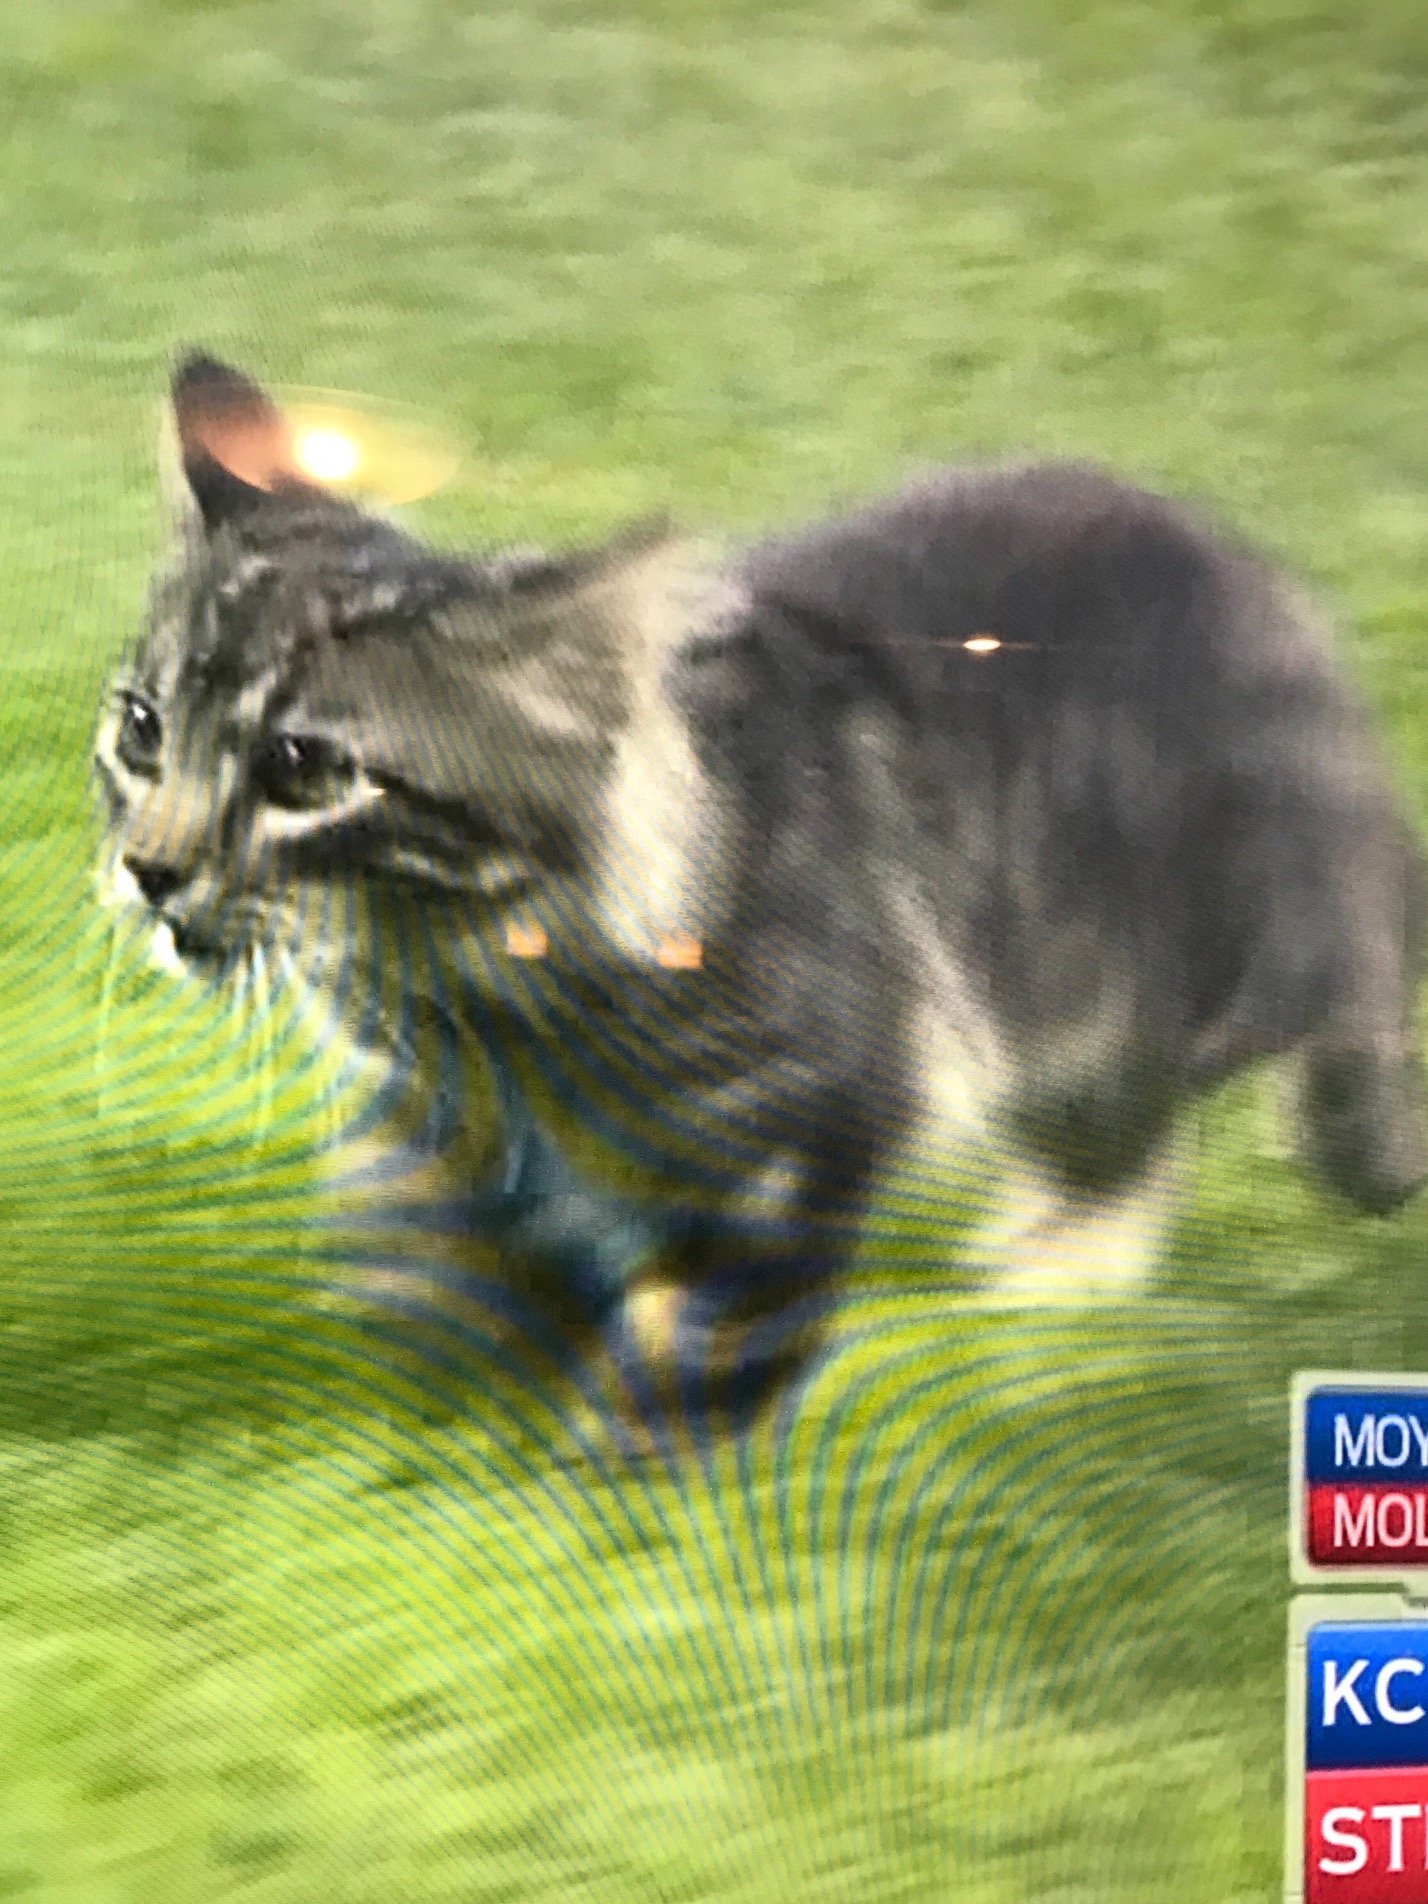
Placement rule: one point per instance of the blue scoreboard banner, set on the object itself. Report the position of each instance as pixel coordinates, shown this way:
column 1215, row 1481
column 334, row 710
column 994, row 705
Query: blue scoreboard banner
column 1369, row 1686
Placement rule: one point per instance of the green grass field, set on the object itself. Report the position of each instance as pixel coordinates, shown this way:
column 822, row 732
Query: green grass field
column 287, row 1617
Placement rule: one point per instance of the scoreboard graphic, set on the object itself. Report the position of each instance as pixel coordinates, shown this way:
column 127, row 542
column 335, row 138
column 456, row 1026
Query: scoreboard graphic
column 1360, row 1478
column 1357, row 1746
column 1358, row 1738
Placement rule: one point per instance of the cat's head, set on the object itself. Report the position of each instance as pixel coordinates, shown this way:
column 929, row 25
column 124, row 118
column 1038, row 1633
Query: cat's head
column 321, row 706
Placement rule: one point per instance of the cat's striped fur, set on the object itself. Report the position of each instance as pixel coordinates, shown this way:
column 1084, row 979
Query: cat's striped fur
column 1019, row 906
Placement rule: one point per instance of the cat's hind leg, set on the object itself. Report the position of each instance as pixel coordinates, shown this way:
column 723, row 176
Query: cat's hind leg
column 1049, row 1242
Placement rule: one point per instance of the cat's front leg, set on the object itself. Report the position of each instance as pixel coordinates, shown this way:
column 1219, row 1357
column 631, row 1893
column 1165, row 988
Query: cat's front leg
column 716, row 1326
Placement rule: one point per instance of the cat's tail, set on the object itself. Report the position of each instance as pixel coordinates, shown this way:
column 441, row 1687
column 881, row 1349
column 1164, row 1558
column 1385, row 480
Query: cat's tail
column 1364, row 1124
column 1336, row 985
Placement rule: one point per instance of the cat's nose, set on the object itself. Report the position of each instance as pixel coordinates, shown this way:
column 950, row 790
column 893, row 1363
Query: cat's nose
column 156, row 880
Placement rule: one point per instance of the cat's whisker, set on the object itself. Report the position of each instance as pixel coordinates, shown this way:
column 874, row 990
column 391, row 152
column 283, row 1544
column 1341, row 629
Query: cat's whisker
column 263, row 1006
column 282, row 975
column 240, row 1002
column 235, row 998
column 237, row 990
column 102, row 1065
column 336, row 1082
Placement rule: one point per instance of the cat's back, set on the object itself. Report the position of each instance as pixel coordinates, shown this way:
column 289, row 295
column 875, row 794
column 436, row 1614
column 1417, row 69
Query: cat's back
column 1062, row 561
column 1140, row 838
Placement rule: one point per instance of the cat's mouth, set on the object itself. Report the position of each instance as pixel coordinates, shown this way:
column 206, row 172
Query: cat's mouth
column 179, row 947
column 192, row 946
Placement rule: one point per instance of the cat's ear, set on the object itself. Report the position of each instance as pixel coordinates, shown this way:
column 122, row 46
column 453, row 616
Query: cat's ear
column 226, row 444
column 632, row 596
column 533, row 578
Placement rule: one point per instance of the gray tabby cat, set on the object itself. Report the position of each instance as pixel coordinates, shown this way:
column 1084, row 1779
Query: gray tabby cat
column 1014, row 907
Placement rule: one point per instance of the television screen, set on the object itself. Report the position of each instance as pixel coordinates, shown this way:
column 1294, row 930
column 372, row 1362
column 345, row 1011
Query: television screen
column 711, row 916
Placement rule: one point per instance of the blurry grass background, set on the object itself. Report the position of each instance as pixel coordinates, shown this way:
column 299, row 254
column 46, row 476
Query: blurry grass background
column 284, row 1618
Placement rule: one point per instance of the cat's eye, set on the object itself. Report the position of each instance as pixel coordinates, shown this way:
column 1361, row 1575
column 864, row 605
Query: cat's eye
column 302, row 770
column 140, row 733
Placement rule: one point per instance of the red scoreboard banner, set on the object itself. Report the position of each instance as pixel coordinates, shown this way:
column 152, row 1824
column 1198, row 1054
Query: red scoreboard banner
column 1365, row 1837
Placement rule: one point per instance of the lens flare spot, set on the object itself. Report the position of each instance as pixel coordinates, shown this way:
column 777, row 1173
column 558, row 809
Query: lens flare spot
column 527, row 941
column 327, row 455
column 680, row 953
column 982, row 644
